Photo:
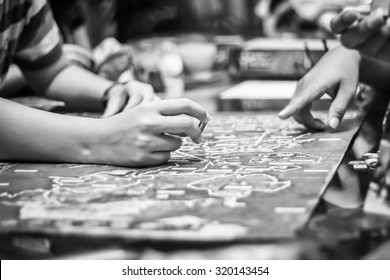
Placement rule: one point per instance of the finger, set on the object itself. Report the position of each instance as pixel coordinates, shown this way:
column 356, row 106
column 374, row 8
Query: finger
column 304, row 94
column 340, row 103
column 115, row 104
column 343, row 21
column 148, row 94
column 374, row 44
column 167, row 143
column 155, row 158
column 182, row 125
column 134, row 90
column 306, row 118
column 182, row 106
column 358, row 34
column 134, row 100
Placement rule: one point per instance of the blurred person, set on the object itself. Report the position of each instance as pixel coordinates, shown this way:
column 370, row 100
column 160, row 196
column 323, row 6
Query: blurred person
column 363, row 57
column 301, row 18
column 170, row 17
column 143, row 134
column 71, row 21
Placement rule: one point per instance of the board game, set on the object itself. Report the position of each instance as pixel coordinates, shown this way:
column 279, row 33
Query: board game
column 254, row 177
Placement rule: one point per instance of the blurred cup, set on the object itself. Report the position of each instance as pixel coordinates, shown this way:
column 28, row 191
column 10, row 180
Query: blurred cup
column 198, row 57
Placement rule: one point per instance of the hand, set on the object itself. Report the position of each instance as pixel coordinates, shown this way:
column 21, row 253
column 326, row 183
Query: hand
column 145, row 135
column 123, row 97
column 369, row 35
column 336, row 74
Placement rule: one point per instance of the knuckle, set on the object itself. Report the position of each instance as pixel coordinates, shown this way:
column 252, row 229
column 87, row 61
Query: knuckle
column 147, row 123
column 140, row 157
column 143, row 142
column 338, row 109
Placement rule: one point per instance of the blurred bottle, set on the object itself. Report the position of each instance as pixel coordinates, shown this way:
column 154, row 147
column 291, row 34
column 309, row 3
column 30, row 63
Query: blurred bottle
column 171, row 67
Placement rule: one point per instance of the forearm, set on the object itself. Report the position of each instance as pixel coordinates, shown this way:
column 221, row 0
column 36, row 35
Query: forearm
column 32, row 135
column 78, row 88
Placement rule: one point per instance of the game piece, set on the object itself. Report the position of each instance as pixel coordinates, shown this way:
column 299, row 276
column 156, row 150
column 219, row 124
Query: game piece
column 202, row 126
column 355, row 162
column 371, row 162
column 370, row 155
column 360, row 167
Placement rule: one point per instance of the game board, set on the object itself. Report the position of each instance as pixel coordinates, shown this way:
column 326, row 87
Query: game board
column 254, row 177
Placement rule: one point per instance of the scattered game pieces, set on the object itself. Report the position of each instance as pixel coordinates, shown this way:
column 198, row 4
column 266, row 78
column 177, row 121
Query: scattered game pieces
column 368, row 163
column 243, row 176
column 202, row 126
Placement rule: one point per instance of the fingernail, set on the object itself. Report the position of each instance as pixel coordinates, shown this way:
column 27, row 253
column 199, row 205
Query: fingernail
column 282, row 114
column 334, row 122
column 208, row 117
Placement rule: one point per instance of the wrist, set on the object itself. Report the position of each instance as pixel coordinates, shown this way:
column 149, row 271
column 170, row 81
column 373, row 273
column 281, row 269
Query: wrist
column 99, row 142
column 91, row 138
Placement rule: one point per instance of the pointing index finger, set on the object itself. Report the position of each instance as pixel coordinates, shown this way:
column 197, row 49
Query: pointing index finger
column 181, row 106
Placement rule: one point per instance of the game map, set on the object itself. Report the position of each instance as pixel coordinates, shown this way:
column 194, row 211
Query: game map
column 254, row 177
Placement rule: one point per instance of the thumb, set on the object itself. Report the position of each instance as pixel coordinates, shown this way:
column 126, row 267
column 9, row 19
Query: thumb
column 116, row 103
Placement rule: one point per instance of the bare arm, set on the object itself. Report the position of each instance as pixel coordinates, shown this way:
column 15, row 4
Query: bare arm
column 142, row 136
column 81, row 89
column 34, row 135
